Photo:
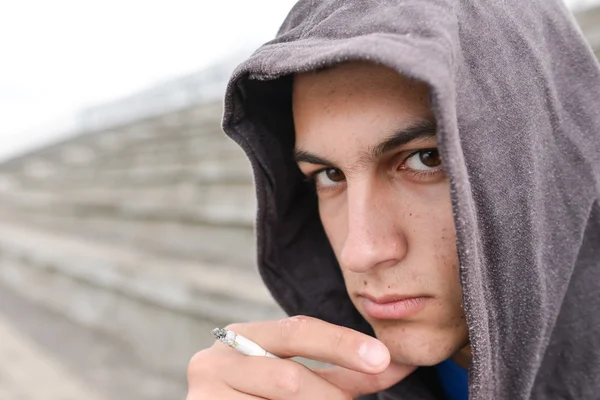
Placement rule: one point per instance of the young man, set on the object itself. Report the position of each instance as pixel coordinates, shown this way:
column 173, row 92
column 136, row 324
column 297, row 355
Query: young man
column 428, row 173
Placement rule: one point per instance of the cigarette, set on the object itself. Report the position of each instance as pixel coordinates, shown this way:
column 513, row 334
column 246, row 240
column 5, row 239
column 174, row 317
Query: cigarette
column 240, row 343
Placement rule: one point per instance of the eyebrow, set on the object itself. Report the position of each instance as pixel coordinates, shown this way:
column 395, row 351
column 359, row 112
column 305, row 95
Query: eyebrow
column 421, row 130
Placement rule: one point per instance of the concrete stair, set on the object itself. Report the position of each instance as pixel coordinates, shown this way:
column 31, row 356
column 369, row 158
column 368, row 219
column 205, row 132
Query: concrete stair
column 144, row 231
column 162, row 307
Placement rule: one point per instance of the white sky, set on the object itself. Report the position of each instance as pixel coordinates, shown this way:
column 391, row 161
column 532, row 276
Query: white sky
column 59, row 56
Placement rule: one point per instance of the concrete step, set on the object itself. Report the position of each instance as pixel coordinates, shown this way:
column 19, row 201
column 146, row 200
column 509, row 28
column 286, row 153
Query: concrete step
column 206, row 171
column 88, row 151
column 218, row 168
column 58, row 354
column 213, row 170
column 157, row 132
column 228, row 205
column 182, row 146
column 158, row 143
column 24, row 362
column 163, row 154
column 193, row 120
column 149, row 301
column 204, row 112
column 172, row 193
column 204, row 243
column 189, row 156
column 177, row 139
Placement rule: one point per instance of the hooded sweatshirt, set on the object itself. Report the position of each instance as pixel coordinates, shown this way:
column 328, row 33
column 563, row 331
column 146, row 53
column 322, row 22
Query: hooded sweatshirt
column 515, row 91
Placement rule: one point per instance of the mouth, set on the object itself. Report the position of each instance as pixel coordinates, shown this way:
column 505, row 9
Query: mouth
column 392, row 306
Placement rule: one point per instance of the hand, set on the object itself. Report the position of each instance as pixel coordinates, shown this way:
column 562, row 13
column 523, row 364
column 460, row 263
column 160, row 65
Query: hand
column 362, row 364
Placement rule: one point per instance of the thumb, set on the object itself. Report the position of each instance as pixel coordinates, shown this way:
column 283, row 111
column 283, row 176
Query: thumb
column 357, row 384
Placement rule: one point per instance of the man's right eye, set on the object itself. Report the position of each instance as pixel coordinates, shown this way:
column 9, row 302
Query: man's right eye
column 329, row 177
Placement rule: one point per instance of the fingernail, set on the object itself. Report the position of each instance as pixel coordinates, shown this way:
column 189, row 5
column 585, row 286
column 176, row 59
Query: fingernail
column 373, row 353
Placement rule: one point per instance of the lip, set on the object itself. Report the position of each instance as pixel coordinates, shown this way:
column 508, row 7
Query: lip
column 392, row 306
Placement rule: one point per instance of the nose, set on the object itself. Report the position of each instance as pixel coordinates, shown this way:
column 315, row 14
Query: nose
column 374, row 236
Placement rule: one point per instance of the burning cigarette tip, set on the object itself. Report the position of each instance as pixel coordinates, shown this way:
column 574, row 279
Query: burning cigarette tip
column 219, row 333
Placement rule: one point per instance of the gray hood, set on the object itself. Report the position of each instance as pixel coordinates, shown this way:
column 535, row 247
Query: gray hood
column 516, row 94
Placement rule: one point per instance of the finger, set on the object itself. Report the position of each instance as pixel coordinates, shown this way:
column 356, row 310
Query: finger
column 278, row 379
column 318, row 340
column 205, row 375
column 358, row 384
column 225, row 392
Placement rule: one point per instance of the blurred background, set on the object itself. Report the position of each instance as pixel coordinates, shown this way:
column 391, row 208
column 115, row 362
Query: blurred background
column 126, row 215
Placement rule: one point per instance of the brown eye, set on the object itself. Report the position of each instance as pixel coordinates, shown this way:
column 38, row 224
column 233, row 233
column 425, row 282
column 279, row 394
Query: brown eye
column 423, row 160
column 329, row 177
column 334, row 174
column 430, row 158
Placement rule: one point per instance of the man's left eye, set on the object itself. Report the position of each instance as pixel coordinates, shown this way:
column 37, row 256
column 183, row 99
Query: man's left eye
column 329, row 177
column 424, row 160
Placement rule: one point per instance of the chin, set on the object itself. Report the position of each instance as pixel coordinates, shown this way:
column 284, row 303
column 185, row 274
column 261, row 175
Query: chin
column 415, row 343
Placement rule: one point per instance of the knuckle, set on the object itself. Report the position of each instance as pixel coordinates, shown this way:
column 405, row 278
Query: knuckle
column 344, row 396
column 293, row 326
column 235, row 327
column 197, row 395
column 198, row 365
column 203, row 374
column 201, row 394
column 288, row 379
column 339, row 338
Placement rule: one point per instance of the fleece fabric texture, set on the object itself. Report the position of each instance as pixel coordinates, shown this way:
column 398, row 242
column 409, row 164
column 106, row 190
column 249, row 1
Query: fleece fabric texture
column 515, row 91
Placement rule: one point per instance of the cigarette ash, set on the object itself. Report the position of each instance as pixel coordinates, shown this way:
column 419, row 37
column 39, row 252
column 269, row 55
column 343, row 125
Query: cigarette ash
column 225, row 336
column 219, row 333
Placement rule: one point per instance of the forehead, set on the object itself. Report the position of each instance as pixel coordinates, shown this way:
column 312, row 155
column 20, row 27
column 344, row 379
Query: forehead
column 355, row 105
column 359, row 72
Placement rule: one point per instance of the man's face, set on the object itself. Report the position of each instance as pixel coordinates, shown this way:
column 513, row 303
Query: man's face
column 367, row 137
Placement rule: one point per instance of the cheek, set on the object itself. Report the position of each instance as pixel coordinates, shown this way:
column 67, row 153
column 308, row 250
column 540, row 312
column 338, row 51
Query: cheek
column 431, row 217
column 420, row 213
column 416, row 216
column 334, row 218
column 433, row 240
